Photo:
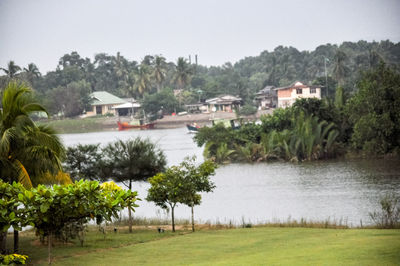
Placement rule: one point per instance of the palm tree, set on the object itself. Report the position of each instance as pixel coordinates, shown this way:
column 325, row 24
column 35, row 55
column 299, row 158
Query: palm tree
column 159, row 70
column 142, row 82
column 183, row 73
column 27, row 151
column 11, row 69
column 133, row 160
column 32, row 72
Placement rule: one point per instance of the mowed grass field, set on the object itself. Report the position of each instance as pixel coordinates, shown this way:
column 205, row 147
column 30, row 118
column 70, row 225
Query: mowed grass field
column 249, row 246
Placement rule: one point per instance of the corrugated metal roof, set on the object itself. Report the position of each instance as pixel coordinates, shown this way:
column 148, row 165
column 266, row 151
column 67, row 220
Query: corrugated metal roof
column 104, row 98
column 127, row 105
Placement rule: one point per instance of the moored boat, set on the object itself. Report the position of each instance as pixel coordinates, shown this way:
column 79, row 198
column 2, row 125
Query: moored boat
column 193, row 127
column 126, row 125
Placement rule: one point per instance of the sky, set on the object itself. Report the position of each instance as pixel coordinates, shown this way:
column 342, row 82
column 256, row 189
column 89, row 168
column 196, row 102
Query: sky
column 218, row 31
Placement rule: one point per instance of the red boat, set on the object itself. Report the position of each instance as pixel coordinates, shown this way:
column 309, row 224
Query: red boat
column 126, row 125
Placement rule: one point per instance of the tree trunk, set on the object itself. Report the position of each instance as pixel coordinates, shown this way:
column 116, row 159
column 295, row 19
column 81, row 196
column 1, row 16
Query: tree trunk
column 49, row 247
column 129, row 211
column 192, row 219
column 173, row 218
column 16, row 241
column 3, row 242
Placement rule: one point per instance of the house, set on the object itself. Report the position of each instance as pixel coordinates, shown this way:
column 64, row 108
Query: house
column 103, row 102
column 224, row 103
column 129, row 108
column 266, row 98
column 288, row 95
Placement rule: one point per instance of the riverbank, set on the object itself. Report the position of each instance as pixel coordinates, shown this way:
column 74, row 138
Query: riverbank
column 104, row 123
column 244, row 246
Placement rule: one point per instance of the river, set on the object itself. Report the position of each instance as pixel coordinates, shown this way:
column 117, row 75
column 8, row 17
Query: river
column 339, row 190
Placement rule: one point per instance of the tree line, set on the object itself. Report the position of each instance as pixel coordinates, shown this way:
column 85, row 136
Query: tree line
column 66, row 89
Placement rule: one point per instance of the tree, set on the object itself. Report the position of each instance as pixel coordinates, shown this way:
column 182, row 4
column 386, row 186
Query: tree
column 183, row 73
column 50, row 209
column 11, row 70
column 11, row 210
column 374, row 111
column 143, row 83
column 32, row 72
column 340, row 69
column 166, row 190
column 181, row 184
column 84, row 162
column 159, row 71
column 196, row 179
column 70, row 100
column 164, row 100
column 27, row 151
column 133, row 160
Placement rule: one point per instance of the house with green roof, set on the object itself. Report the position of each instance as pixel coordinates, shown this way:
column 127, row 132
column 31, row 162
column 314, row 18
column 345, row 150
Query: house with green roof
column 103, row 102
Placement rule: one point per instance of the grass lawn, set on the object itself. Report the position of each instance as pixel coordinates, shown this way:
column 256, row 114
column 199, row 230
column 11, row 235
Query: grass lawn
column 249, row 246
column 94, row 241
column 90, row 124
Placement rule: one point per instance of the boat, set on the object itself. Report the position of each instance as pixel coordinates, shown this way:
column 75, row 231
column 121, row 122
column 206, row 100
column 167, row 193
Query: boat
column 126, row 125
column 193, row 128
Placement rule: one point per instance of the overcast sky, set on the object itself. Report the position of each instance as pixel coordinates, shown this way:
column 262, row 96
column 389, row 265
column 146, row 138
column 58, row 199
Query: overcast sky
column 219, row 31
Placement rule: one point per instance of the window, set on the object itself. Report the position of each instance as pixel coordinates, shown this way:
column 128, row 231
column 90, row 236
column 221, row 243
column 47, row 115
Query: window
column 299, row 91
column 313, row 90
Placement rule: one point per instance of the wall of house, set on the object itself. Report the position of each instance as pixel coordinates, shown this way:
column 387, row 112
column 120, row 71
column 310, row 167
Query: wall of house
column 286, row 99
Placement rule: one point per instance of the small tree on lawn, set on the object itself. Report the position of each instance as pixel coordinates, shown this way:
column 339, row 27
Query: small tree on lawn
column 196, row 180
column 181, row 184
column 166, row 190
column 132, row 160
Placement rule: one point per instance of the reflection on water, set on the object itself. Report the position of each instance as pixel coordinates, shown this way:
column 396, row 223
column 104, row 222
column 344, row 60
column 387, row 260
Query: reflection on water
column 338, row 189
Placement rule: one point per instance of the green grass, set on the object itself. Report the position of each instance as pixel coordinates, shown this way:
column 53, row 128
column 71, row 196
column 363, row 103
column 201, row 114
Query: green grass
column 248, row 246
column 77, row 125
column 94, row 241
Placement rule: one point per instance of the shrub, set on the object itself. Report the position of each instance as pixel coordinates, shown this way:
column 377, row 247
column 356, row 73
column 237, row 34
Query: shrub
column 248, row 110
column 13, row 259
column 389, row 216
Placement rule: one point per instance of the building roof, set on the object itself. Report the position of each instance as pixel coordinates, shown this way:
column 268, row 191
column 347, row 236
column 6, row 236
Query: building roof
column 297, row 85
column 104, row 98
column 266, row 90
column 126, row 105
column 224, row 99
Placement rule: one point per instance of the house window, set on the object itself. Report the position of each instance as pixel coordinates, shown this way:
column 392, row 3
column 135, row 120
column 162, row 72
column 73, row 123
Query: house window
column 299, row 91
column 313, row 90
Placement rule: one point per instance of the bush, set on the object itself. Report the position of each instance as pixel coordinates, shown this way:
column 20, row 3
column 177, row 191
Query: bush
column 389, row 216
column 248, row 110
column 13, row 259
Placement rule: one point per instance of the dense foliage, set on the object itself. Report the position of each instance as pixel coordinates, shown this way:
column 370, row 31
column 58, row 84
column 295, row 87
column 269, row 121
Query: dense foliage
column 375, row 111
column 51, row 209
column 65, row 90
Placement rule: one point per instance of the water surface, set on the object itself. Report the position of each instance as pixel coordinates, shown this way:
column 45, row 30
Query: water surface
column 345, row 190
